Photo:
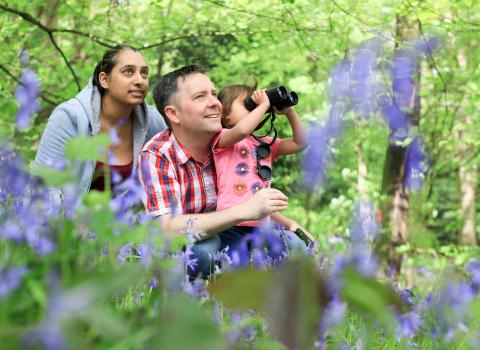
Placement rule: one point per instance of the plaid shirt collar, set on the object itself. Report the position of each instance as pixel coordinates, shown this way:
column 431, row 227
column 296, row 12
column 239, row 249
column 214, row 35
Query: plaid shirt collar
column 182, row 153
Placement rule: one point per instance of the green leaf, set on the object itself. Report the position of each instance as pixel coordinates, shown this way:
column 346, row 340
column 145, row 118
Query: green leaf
column 87, row 148
column 369, row 295
column 185, row 325
column 52, row 177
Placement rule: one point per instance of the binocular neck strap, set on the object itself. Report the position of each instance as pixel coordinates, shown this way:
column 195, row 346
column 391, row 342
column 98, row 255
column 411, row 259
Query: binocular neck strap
column 263, row 143
column 262, row 123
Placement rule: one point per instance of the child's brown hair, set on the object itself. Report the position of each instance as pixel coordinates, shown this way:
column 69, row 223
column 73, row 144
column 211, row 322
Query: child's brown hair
column 229, row 94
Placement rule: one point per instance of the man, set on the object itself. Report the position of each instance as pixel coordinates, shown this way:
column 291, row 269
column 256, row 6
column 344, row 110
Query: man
column 177, row 171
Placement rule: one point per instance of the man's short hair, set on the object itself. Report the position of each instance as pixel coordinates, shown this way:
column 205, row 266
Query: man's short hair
column 165, row 89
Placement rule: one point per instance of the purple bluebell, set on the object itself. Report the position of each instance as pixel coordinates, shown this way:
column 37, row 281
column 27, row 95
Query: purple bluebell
column 26, row 95
column 364, row 228
column 145, row 252
column 473, row 267
column 416, row 165
column 196, row 288
column 10, row 279
column 404, row 70
column 12, row 231
column 240, row 255
column 341, row 83
column 321, row 140
column 333, row 315
column 427, row 45
column 407, row 296
column 397, row 120
column 408, row 325
column 189, row 258
column 364, row 76
column 124, row 253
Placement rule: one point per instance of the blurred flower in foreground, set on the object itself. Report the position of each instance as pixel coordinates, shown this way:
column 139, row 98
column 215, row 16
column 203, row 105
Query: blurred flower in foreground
column 26, row 95
column 416, row 165
column 10, row 279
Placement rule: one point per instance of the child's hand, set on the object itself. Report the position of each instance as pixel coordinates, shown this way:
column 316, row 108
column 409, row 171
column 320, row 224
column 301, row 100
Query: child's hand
column 295, row 226
column 260, row 98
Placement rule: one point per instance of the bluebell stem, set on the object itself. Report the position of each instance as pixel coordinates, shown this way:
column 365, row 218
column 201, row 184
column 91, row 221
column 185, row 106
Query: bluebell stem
column 26, row 95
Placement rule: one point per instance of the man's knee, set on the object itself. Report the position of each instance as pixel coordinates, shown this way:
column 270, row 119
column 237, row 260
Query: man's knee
column 204, row 252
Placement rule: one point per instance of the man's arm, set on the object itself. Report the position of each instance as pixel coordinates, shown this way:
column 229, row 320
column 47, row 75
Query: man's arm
column 298, row 142
column 204, row 225
column 246, row 125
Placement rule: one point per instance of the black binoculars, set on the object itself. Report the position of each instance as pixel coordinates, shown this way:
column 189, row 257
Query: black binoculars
column 278, row 96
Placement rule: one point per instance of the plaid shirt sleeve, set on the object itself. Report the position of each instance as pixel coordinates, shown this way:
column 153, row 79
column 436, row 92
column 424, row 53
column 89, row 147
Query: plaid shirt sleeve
column 160, row 183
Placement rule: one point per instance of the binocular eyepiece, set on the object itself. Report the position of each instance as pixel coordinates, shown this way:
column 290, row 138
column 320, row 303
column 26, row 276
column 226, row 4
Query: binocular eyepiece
column 278, row 96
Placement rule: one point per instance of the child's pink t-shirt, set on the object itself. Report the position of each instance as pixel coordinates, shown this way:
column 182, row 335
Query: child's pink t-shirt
column 236, row 168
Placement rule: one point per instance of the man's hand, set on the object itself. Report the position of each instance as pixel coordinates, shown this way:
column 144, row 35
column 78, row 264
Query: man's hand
column 263, row 203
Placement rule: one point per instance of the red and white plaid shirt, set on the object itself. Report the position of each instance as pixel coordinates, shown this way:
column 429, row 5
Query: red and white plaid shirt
column 173, row 181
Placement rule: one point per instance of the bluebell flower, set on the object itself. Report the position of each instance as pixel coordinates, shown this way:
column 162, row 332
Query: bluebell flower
column 124, row 253
column 397, row 121
column 341, row 83
column 473, row 267
column 404, row 69
column 416, row 165
column 364, row 72
column 10, row 279
column 321, row 140
column 408, row 325
column 364, row 228
column 196, row 288
column 189, row 258
column 427, row 45
column 407, row 296
column 26, row 95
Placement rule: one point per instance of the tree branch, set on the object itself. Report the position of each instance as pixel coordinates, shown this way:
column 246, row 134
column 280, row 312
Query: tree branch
column 18, row 81
column 50, row 32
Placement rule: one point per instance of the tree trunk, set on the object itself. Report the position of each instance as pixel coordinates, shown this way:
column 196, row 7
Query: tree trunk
column 395, row 208
column 467, row 175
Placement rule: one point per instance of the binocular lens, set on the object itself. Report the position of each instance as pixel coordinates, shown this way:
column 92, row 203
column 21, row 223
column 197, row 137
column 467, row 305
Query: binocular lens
column 279, row 97
column 277, row 94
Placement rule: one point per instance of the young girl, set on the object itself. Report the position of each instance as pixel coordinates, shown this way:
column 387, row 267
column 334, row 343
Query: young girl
column 242, row 164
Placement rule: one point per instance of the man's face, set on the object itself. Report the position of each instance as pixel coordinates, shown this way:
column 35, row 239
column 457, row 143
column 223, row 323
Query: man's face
column 198, row 108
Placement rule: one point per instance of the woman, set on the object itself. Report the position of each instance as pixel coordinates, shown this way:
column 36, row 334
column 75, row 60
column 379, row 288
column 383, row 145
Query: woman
column 111, row 103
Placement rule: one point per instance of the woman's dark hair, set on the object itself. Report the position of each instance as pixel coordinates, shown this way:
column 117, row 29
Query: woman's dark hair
column 109, row 60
